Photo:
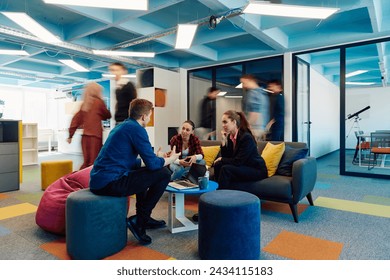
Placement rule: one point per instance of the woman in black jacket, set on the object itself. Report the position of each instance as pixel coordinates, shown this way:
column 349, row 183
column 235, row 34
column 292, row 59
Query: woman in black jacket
column 240, row 160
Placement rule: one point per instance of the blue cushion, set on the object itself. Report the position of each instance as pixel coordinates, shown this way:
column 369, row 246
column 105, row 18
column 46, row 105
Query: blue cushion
column 95, row 225
column 229, row 226
column 289, row 156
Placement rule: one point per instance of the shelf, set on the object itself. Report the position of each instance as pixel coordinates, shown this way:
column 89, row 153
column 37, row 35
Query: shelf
column 30, row 144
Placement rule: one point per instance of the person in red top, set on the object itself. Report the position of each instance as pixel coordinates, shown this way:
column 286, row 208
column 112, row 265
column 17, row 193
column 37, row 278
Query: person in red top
column 189, row 146
column 89, row 117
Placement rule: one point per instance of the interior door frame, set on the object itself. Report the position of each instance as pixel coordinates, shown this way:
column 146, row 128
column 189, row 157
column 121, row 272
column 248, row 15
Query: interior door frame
column 295, row 125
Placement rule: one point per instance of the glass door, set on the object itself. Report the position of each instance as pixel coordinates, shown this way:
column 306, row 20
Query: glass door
column 303, row 102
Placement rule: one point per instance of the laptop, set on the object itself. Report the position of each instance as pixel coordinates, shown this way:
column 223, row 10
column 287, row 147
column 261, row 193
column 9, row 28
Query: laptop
column 191, row 180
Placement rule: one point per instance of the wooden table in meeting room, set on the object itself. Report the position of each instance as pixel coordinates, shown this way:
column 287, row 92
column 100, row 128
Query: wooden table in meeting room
column 176, row 206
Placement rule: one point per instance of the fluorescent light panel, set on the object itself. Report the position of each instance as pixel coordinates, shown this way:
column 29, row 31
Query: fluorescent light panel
column 265, row 8
column 14, row 52
column 74, row 65
column 355, row 73
column 185, row 35
column 124, row 76
column 221, row 93
column 110, row 4
column 359, row 83
column 32, row 26
column 124, row 53
column 233, row 96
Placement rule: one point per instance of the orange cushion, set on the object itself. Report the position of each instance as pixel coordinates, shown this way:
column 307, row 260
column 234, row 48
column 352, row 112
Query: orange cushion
column 377, row 150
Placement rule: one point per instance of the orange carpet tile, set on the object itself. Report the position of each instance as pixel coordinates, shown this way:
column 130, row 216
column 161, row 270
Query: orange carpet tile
column 281, row 207
column 132, row 251
column 302, row 247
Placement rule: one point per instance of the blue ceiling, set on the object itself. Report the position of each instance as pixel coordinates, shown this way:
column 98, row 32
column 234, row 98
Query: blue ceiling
column 237, row 37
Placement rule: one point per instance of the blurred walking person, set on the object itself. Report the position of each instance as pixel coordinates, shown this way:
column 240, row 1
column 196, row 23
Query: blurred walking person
column 90, row 116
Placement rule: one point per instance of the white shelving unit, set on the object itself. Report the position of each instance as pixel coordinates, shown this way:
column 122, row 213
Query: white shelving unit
column 30, row 143
column 165, row 96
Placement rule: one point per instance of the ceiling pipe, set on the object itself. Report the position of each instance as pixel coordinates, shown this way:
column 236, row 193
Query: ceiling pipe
column 172, row 30
column 24, row 38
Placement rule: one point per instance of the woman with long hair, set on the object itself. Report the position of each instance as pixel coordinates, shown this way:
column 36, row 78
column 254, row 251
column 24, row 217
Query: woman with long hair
column 89, row 117
column 240, row 159
column 189, row 146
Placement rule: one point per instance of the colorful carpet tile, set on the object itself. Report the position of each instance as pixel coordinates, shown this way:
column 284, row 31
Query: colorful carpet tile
column 376, row 200
column 353, row 206
column 17, row 210
column 132, row 251
column 281, row 207
column 302, row 247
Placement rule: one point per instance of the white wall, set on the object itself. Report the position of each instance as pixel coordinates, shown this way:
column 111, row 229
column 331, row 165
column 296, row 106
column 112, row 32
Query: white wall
column 324, row 115
column 26, row 104
column 375, row 118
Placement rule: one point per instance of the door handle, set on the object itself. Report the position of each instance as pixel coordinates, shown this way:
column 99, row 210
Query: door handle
column 309, row 122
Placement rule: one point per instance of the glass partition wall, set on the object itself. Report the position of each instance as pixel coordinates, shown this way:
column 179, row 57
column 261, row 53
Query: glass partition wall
column 227, row 79
column 341, row 97
column 367, row 121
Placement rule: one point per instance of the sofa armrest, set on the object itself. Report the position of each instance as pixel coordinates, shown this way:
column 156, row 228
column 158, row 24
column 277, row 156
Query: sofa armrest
column 304, row 176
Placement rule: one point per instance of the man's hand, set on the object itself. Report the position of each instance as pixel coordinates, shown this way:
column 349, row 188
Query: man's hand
column 173, row 155
column 160, row 153
column 69, row 140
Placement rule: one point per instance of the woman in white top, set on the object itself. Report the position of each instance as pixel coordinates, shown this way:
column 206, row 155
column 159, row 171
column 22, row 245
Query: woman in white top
column 189, row 146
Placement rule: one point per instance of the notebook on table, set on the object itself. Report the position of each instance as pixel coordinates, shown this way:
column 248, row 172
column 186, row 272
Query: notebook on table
column 191, row 180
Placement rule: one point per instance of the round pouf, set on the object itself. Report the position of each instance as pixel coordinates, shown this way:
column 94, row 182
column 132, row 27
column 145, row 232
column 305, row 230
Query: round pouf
column 229, row 226
column 95, row 225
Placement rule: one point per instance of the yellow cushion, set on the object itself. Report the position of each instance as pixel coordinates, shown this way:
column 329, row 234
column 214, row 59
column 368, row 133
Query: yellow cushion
column 272, row 155
column 210, row 154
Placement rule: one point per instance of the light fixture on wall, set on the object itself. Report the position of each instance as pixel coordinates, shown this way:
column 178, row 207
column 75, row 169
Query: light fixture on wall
column 185, row 35
column 28, row 23
column 355, row 73
column 111, row 4
column 123, row 53
column 266, row 8
column 14, row 52
column 74, row 65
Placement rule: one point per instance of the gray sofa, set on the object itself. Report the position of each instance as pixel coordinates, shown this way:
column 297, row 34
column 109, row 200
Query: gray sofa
column 280, row 188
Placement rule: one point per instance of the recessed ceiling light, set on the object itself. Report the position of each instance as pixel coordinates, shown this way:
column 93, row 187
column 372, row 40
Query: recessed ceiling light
column 265, row 8
column 359, row 83
column 74, row 65
column 185, row 35
column 111, row 4
column 14, row 52
column 124, row 76
column 32, row 26
column 233, row 96
column 355, row 73
column 221, row 93
column 124, row 53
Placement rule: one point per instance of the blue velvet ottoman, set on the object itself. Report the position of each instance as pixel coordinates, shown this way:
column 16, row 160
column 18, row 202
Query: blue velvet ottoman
column 229, row 226
column 95, row 225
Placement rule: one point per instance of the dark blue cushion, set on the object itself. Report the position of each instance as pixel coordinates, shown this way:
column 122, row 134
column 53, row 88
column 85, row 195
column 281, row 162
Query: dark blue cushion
column 289, row 156
column 229, row 226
